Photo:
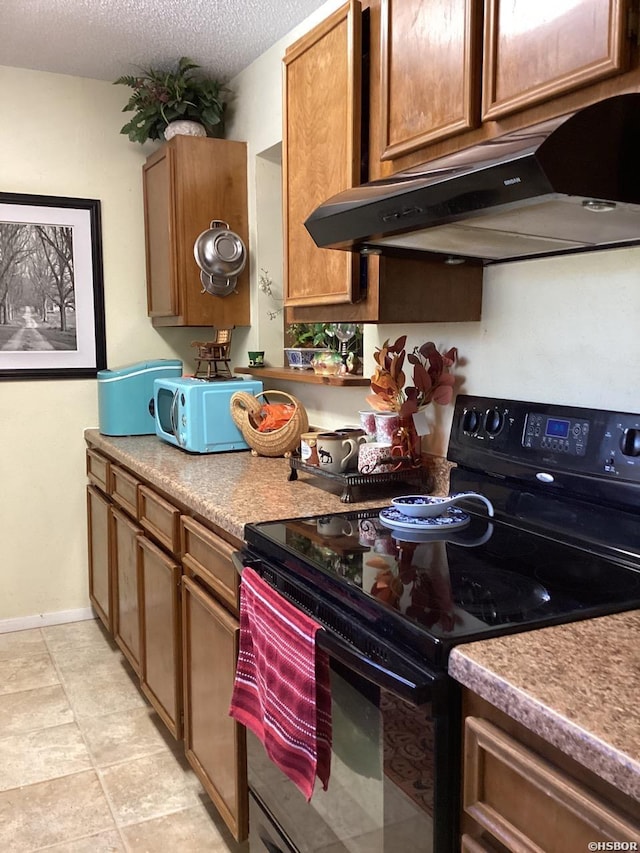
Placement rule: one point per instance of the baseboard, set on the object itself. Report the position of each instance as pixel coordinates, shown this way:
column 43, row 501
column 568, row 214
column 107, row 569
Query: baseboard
column 42, row 620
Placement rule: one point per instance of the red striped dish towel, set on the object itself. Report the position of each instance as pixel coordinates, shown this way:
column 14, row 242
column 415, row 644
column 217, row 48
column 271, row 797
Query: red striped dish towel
column 281, row 690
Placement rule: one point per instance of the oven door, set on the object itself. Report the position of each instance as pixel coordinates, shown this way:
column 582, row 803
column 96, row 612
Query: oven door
column 394, row 769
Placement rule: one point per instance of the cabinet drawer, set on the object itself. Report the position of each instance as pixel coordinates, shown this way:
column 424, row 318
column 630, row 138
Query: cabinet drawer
column 528, row 804
column 124, row 490
column 98, row 467
column 209, row 557
column 159, row 518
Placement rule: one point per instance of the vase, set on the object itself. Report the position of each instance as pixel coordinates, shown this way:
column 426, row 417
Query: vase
column 326, row 363
column 184, row 127
column 406, row 436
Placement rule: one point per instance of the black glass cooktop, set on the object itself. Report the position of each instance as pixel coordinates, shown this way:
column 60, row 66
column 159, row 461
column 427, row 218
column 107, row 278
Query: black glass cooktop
column 432, row 590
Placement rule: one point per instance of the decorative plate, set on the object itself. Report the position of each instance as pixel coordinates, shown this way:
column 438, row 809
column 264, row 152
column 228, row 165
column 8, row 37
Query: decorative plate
column 452, row 518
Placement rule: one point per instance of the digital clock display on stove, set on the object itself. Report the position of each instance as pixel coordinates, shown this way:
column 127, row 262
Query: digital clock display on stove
column 557, row 428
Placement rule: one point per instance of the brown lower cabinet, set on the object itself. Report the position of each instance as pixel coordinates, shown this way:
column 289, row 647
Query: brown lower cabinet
column 125, row 535
column 523, row 795
column 163, row 584
column 98, row 523
column 216, row 751
column 160, row 634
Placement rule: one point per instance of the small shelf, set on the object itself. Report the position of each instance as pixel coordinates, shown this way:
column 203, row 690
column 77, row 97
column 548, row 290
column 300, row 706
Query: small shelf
column 294, row 375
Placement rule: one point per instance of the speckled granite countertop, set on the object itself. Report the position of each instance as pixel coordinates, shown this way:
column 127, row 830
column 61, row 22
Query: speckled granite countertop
column 231, row 489
column 575, row 685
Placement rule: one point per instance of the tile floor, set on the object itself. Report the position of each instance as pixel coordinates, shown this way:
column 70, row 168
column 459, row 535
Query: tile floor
column 86, row 766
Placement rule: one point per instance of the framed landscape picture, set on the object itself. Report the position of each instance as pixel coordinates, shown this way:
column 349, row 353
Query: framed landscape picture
column 51, row 288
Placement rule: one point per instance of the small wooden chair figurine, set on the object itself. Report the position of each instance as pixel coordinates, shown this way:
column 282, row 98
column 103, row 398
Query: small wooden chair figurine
column 214, row 353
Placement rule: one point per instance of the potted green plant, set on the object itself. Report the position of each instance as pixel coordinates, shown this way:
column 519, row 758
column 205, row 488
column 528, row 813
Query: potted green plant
column 162, row 97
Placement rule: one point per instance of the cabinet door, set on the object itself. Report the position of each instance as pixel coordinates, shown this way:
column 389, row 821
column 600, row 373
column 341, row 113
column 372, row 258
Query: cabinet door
column 322, row 103
column 536, row 51
column 126, row 610
column 98, row 522
column 160, row 634
column 214, row 743
column 429, row 68
column 160, row 230
column 187, row 183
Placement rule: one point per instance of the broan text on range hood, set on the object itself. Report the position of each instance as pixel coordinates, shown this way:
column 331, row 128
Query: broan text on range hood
column 569, row 184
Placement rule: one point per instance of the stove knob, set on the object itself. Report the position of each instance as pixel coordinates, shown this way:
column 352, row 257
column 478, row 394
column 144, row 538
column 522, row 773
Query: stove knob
column 493, row 421
column 630, row 442
column 470, row 421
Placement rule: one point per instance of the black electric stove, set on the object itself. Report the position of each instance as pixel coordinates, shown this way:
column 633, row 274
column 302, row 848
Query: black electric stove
column 564, row 543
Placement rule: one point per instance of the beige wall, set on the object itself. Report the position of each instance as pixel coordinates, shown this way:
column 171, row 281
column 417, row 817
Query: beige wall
column 67, row 143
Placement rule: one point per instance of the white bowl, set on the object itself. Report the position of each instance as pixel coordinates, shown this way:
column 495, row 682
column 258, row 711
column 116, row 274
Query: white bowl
column 430, row 506
column 421, row 506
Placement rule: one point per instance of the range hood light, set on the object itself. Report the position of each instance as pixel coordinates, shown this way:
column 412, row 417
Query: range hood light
column 452, row 262
column 596, row 206
column 370, row 250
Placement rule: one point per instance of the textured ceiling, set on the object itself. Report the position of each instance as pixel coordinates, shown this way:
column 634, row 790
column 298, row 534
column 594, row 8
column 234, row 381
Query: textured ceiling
column 103, row 39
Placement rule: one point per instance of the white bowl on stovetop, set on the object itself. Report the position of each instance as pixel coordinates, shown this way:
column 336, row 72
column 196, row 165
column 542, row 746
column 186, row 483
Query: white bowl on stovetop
column 431, row 506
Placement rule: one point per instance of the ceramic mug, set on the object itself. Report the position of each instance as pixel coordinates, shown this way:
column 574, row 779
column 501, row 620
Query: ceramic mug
column 387, row 423
column 374, row 457
column 308, row 448
column 358, row 435
column 334, row 526
column 335, row 451
column 368, row 424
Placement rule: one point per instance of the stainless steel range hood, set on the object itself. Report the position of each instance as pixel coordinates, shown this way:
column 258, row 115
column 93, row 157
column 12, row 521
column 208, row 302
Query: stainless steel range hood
column 570, row 184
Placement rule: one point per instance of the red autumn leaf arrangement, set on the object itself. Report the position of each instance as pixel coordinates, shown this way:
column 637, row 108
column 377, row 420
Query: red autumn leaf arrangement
column 432, row 382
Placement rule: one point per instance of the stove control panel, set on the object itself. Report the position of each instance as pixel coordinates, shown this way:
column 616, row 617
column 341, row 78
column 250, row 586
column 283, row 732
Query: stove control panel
column 561, row 434
column 570, row 447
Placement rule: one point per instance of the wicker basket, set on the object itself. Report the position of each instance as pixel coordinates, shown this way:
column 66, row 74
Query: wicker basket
column 245, row 411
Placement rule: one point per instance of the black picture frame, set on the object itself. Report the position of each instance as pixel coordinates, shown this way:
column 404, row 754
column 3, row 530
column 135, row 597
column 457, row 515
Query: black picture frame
column 52, row 323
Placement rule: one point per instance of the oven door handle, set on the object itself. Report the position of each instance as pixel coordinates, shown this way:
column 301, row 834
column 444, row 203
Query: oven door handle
column 409, row 682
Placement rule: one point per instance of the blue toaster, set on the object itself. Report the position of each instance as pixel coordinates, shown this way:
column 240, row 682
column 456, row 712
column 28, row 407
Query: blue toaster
column 125, row 396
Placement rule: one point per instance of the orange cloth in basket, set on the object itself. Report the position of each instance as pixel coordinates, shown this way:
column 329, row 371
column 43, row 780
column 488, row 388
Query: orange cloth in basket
column 275, row 415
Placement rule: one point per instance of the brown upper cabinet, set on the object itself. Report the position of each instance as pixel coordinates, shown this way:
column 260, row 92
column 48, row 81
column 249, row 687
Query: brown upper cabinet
column 188, row 182
column 537, row 51
column 429, row 68
column 322, row 117
column 455, row 72
column 326, row 83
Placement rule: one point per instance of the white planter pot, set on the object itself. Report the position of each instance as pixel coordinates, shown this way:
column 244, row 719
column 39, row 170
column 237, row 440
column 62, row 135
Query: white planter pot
column 184, row 127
